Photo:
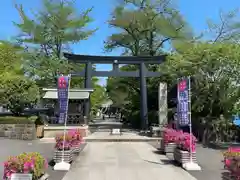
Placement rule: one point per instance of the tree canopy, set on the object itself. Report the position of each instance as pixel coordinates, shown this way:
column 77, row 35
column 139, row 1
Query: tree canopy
column 43, row 38
column 146, row 28
column 52, row 30
column 16, row 91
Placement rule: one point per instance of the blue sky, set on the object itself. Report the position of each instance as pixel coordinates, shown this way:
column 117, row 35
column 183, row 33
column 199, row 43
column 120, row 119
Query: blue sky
column 196, row 12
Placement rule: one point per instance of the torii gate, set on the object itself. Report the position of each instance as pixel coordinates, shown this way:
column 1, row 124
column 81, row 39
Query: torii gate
column 143, row 73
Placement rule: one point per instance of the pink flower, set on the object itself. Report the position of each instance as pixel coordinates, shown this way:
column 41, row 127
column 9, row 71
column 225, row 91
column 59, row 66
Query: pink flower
column 227, row 162
column 28, row 166
column 8, row 174
column 6, row 163
column 24, row 163
column 45, row 163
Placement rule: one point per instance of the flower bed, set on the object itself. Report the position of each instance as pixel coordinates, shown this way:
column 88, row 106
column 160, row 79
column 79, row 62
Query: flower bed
column 71, row 144
column 25, row 163
column 77, row 140
column 182, row 151
column 59, row 154
column 169, row 140
column 232, row 162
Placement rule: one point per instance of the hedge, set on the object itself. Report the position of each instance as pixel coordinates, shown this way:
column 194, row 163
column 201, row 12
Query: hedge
column 17, row 120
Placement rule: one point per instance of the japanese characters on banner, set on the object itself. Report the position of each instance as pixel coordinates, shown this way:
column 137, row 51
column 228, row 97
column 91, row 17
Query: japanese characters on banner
column 183, row 102
column 63, row 83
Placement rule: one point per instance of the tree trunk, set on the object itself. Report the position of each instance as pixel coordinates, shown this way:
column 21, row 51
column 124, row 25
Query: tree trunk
column 204, row 137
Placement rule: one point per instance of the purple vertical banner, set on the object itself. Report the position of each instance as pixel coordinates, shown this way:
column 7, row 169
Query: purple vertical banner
column 183, row 102
column 63, row 84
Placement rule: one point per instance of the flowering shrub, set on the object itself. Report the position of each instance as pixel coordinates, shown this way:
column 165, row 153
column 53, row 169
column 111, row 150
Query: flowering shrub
column 75, row 134
column 60, row 137
column 169, row 135
column 233, row 165
column 60, row 145
column 73, row 138
column 27, row 163
column 183, row 142
column 232, row 161
column 70, row 136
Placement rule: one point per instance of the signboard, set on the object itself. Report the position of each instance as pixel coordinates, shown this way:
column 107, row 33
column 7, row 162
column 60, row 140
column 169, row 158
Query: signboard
column 116, row 131
column 63, row 84
column 183, row 102
column 17, row 176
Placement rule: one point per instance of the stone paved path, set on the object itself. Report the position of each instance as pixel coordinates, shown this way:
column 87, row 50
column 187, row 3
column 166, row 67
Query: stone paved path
column 123, row 161
column 211, row 162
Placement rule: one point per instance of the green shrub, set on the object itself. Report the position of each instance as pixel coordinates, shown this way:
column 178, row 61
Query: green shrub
column 17, row 120
column 40, row 120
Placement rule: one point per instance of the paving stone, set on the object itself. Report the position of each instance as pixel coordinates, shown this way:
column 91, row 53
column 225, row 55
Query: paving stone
column 123, row 161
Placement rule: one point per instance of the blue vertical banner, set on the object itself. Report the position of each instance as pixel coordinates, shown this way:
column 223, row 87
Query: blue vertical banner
column 183, row 102
column 63, row 87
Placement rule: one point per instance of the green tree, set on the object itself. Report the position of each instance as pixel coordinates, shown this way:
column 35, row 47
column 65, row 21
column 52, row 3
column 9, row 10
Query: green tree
column 97, row 98
column 51, row 31
column 227, row 29
column 144, row 29
column 10, row 58
column 16, row 91
column 215, row 85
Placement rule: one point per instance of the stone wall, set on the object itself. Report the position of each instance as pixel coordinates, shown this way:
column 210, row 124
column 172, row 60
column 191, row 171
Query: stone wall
column 18, row 131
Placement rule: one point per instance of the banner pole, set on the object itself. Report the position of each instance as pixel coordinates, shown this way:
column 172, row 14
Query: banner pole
column 65, row 119
column 178, row 118
column 64, row 166
column 191, row 165
column 190, row 116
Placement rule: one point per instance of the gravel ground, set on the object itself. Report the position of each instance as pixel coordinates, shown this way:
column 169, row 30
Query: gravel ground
column 15, row 147
column 210, row 161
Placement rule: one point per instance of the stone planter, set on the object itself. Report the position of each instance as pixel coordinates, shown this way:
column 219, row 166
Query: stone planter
column 183, row 156
column 170, row 147
column 28, row 177
column 76, row 147
column 167, row 148
column 228, row 176
column 68, row 156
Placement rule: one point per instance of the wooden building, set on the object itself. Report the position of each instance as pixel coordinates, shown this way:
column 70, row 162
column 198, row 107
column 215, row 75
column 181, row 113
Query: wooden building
column 77, row 98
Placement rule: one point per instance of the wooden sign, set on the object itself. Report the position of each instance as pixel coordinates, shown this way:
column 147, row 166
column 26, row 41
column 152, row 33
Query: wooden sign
column 17, row 176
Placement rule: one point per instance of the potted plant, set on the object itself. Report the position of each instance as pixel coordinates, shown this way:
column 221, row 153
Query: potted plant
column 182, row 150
column 25, row 163
column 169, row 140
column 60, row 137
column 76, row 140
column 232, row 162
column 63, row 151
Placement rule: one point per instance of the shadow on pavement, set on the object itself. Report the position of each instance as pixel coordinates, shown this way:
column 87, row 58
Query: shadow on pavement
column 158, row 152
column 170, row 161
